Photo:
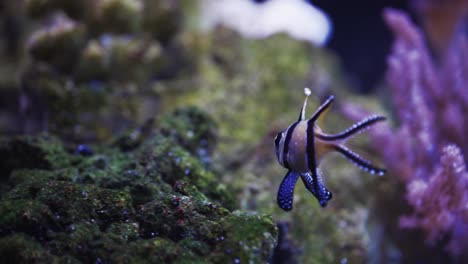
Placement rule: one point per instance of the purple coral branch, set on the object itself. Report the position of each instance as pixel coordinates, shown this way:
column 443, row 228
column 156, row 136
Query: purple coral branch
column 441, row 203
column 426, row 149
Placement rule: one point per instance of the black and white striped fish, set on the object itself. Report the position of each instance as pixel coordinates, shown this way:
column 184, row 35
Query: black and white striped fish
column 301, row 147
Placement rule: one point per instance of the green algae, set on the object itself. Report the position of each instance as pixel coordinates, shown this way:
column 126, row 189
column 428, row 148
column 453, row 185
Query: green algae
column 158, row 201
column 21, row 248
column 250, row 235
column 42, row 152
column 199, row 141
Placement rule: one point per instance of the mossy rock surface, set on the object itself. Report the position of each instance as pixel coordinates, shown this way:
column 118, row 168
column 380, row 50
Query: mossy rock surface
column 156, row 201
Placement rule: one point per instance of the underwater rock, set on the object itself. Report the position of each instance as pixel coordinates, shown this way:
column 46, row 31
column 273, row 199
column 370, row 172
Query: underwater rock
column 20, row 248
column 40, row 152
column 285, row 251
column 194, row 129
column 115, row 16
column 44, row 206
column 58, row 44
column 162, row 18
column 74, row 9
column 90, row 66
column 119, row 58
column 155, row 201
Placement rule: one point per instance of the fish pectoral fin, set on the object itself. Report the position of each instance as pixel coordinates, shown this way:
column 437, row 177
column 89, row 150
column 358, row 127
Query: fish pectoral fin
column 286, row 191
column 313, row 183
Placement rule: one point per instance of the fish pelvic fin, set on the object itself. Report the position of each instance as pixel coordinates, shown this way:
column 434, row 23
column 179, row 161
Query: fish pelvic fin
column 313, row 182
column 286, row 191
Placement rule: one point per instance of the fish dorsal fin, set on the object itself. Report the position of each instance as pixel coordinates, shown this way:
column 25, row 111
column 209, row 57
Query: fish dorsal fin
column 323, row 108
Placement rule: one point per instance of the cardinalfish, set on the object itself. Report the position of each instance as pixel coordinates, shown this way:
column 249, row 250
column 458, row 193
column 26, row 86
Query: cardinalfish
column 302, row 146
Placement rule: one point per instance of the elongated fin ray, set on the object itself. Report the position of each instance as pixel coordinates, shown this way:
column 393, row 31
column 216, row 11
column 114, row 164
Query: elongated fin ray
column 286, row 191
column 313, row 183
column 304, row 106
column 360, row 162
column 353, row 130
column 322, row 108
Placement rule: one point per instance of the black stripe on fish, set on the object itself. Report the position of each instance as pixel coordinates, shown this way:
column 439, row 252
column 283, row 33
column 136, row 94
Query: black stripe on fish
column 286, row 191
column 310, row 147
column 310, row 153
column 353, row 130
column 359, row 161
column 287, row 140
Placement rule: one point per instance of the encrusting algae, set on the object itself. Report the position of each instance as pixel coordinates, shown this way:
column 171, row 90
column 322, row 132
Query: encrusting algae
column 156, row 202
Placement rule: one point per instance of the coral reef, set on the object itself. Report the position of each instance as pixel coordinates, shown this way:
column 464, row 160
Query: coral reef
column 154, row 202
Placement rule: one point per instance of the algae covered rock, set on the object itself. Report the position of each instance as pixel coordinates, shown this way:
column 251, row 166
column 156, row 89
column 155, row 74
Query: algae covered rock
column 116, row 16
column 154, row 202
column 200, row 140
column 89, row 66
column 58, row 44
column 40, row 152
column 21, row 248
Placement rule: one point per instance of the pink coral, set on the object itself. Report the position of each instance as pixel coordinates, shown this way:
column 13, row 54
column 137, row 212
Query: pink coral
column 441, row 202
column 425, row 151
column 430, row 105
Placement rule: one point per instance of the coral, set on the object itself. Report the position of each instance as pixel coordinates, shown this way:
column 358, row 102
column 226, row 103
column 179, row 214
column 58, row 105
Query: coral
column 441, row 202
column 429, row 98
column 427, row 152
column 441, row 20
